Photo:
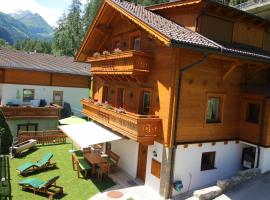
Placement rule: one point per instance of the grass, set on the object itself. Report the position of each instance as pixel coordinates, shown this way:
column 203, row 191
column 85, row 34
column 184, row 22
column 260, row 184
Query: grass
column 5, row 191
column 74, row 187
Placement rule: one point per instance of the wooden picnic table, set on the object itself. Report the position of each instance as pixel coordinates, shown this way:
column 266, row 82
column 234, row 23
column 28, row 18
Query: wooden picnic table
column 94, row 159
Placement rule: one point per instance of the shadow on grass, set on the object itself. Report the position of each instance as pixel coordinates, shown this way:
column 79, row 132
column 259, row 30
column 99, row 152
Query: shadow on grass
column 26, row 153
column 39, row 171
column 105, row 184
column 57, row 196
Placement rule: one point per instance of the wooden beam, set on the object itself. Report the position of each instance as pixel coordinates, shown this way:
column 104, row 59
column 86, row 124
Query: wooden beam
column 229, row 70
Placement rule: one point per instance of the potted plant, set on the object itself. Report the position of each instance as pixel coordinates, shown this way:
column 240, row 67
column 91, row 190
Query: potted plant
column 106, row 53
column 96, row 54
column 117, row 50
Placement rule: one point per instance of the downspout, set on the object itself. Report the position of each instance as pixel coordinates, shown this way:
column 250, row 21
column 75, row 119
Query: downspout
column 181, row 71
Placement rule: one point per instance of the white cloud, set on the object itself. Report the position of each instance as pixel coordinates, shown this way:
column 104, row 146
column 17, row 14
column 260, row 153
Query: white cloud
column 50, row 14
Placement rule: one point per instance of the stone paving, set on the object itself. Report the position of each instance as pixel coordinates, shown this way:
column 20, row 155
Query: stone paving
column 126, row 188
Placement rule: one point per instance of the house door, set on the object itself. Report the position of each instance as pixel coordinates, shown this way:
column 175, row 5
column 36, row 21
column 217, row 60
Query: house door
column 58, row 97
column 142, row 159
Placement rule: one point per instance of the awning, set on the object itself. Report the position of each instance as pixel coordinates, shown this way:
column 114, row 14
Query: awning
column 88, row 133
column 72, row 120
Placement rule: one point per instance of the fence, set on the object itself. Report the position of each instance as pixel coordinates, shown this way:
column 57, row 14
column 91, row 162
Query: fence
column 43, row 137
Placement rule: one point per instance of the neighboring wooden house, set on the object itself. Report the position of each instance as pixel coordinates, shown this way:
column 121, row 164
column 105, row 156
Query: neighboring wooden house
column 26, row 76
column 193, row 79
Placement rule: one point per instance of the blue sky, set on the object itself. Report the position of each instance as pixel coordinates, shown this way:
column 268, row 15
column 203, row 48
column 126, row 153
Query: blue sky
column 50, row 10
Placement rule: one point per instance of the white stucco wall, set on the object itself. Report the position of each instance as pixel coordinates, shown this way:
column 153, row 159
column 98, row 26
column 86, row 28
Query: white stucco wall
column 150, row 180
column 71, row 95
column 128, row 152
column 264, row 159
column 188, row 164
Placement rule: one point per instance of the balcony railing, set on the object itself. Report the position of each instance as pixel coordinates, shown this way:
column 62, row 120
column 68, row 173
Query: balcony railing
column 24, row 112
column 246, row 5
column 123, row 63
column 141, row 128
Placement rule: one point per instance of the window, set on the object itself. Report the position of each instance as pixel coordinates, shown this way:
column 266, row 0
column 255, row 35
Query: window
column 137, row 43
column 146, row 100
column 27, row 127
column 105, row 94
column 214, row 109
column 58, row 97
column 116, row 45
column 120, row 97
column 28, row 95
column 253, row 113
column 208, row 161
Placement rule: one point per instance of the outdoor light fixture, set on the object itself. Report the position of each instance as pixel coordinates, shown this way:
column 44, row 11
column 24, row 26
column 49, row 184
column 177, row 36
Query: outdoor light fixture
column 154, row 153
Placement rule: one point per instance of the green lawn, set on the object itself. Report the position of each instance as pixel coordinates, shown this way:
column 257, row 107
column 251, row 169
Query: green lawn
column 74, row 188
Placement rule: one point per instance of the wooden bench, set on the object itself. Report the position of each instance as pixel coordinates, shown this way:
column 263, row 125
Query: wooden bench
column 112, row 158
column 83, row 166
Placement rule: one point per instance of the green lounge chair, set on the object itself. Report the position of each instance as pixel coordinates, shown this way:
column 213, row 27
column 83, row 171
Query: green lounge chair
column 28, row 167
column 37, row 185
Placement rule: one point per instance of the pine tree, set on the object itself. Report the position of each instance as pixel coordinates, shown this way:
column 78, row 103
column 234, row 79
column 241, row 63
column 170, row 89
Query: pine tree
column 90, row 10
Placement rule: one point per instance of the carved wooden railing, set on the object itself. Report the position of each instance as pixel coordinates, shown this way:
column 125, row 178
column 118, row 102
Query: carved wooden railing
column 141, row 128
column 31, row 112
column 43, row 137
column 123, row 63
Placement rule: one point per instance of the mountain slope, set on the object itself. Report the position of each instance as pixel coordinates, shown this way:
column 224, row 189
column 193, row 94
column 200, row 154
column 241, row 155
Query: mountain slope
column 12, row 30
column 35, row 23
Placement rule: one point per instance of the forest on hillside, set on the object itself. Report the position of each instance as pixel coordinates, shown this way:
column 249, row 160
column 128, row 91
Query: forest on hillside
column 70, row 30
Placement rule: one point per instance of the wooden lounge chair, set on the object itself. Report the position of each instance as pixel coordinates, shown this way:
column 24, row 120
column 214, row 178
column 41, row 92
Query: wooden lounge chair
column 43, row 163
column 37, row 185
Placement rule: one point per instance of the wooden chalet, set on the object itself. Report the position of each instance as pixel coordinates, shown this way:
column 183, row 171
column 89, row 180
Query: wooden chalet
column 187, row 82
column 28, row 76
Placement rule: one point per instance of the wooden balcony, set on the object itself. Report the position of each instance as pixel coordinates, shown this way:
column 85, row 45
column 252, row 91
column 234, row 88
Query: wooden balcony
column 127, row 63
column 141, row 128
column 28, row 112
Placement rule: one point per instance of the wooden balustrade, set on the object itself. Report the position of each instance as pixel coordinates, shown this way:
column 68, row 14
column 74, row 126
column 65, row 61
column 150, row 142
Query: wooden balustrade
column 141, row 128
column 23, row 112
column 43, row 137
column 123, row 63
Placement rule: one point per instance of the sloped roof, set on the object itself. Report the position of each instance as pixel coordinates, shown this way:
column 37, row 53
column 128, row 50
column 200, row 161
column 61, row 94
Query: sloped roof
column 14, row 59
column 180, row 35
column 176, row 35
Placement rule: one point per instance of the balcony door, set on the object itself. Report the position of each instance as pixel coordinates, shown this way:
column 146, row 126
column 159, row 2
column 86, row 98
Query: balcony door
column 120, row 97
column 105, row 94
column 145, row 103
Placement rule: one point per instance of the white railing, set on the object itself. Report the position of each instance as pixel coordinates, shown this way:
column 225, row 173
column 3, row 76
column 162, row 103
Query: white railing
column 251, row 3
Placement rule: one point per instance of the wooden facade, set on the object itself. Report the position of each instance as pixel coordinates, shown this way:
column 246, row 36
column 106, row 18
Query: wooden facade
column 15, row 76
column 219, row 75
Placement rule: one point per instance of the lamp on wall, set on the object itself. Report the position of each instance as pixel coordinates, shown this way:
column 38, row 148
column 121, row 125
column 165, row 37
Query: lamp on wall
column 131, row 95
column 154, row 153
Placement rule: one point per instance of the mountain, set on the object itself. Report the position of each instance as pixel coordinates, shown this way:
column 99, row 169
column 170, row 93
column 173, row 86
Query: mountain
column 12, row 30
column 24, row 25
column 35, row 23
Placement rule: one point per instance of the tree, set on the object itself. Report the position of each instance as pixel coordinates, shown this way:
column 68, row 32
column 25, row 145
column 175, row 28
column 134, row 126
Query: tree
column 5, row 134
column 68, row 34
column 90, row 10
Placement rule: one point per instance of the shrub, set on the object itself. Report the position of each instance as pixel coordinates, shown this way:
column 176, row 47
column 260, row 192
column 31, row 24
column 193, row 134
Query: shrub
column 5, row 133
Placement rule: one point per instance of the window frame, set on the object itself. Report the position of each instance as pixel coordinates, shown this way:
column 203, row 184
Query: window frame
column 221, row 108
column 212, row 165
column 24, row 98
column 132, row 37
column 142, row 91
column 247, row 103
column 105, row 86
column 118, row 97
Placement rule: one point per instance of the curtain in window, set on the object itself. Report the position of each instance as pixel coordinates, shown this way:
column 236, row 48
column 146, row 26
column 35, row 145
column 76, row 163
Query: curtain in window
column 213, row 109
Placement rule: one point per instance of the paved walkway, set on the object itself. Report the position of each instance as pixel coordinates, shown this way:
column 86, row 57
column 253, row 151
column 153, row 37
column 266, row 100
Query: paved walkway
column 126, row 188
column 257, row 188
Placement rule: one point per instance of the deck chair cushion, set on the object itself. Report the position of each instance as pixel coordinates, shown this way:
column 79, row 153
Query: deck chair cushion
column 84, row 165
column 26, row 166
column 33, row 182
column 46, row 158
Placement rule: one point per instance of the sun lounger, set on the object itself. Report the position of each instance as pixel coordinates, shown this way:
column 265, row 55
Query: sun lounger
column 43, row 163
column 37, row 185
